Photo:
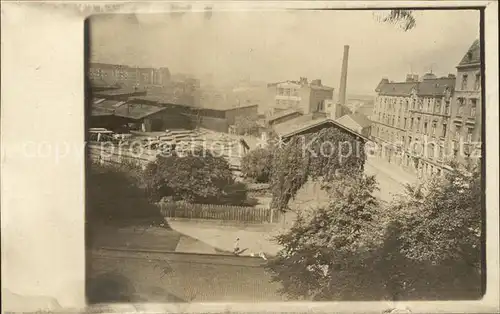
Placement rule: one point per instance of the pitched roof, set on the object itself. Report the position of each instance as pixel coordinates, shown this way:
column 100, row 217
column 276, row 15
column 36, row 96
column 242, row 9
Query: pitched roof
column 301, row 127
column 98, row 111
column 473, row 55
column 165, row 98
column 435, row 87
column 382, row 82
column 137, row 110
column 397, row 89
column 360, row 119
column 109, row 104
column 119, row 92
column 282, row 114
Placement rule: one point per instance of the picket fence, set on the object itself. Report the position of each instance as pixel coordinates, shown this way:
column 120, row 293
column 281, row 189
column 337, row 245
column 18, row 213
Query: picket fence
column 220, row 212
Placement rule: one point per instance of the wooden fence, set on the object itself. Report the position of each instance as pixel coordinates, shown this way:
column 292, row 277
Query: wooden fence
column 220, row 212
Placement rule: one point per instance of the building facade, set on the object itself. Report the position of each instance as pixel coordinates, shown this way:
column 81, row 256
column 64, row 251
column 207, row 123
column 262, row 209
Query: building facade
column 301, row 95
column 466, row 118
column 116, row 74
column 421, row 125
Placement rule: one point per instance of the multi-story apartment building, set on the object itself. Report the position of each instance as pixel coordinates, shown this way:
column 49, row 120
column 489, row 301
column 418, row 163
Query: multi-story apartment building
column 423, row 124
column 466, row 114
column 301, row 95
column 412, row 121
column 115, row 74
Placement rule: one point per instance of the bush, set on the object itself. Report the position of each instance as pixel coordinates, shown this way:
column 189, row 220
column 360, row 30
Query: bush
column 257, row 164
column 198, row 177
column 113, row 194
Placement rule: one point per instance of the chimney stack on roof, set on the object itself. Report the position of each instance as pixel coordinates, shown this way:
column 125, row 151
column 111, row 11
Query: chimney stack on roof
column 412, row 77
column 343, row 76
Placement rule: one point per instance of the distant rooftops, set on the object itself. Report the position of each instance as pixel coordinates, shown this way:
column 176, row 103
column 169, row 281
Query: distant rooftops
column 303, row 82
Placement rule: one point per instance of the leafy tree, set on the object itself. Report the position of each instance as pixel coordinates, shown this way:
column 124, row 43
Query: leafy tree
column 326, row 248
column 403, row 18
column 257, row 164
column 441, row 221
column 246, row 126
column 199, row 176
column 316, row 156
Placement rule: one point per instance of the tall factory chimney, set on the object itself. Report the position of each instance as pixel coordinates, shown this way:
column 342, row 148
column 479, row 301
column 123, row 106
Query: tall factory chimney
column 343, row 76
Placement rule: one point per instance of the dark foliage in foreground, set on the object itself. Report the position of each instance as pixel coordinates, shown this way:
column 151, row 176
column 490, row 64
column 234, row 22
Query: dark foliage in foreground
column 426, row 245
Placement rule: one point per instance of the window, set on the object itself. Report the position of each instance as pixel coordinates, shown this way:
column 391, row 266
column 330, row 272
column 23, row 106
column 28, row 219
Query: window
column 425, row 127
column 411, row 123
column 461, row 106
column 447, row 107
column 437, row 107
column 434, row 124
column 443, row 132
column 473, row 104
column 469, row 135
column 465, row 78
column 477, row 82
column 458, row 131
column 405, row 123
column 431, row 151
column 418, row 124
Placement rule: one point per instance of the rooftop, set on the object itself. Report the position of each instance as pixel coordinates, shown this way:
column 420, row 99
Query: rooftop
column 282, row 114
column 109, row 104
column 137, row 110
column 396, row 89
column 360, row 119
column 120, row 92
column 435, row 87
column 290, row 129
column 473, row 55
column 164, row 99
column 426, row 87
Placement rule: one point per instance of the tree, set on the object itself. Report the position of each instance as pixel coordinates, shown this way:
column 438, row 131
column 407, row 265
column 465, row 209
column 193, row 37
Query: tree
column 326, row 248
column 246, row 126
column 199, row 176
column 403, row 18
column 317, row 156
column 441, row 221
column 257, row 164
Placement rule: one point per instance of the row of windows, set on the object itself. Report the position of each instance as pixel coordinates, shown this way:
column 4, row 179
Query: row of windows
column 288, row 92
column 393, row 137
column 287, row 103
column 427, row 104
column 462, row 106
column 464, row 85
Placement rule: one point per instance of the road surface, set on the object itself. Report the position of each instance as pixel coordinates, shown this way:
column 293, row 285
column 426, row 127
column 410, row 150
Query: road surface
column 120, row 276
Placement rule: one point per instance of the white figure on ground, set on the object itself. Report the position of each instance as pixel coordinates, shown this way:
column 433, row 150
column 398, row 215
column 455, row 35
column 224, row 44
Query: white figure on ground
column 236, row 246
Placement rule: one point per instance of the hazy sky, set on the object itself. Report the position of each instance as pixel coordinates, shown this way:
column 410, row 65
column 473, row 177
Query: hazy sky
column 279, row 45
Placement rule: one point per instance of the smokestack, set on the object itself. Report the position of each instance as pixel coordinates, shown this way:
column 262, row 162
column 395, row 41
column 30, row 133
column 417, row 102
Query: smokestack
column 343, row 76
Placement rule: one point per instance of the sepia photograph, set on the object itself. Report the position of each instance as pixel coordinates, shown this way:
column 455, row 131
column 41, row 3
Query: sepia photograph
column 289, row 155
column 248, row 157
